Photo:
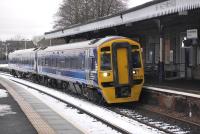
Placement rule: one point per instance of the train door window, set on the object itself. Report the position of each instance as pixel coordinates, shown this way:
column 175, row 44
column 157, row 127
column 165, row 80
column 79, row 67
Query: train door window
column 82, row 60
column 39, row 61
column 46, row 61
column 43, row 61
column 105, row 61
column 92, row 63
column 83, row 63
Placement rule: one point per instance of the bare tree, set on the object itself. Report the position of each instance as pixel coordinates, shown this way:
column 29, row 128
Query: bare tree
column 80, row 11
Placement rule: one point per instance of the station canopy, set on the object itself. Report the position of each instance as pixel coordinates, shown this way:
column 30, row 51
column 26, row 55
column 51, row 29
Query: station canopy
column 143, row 12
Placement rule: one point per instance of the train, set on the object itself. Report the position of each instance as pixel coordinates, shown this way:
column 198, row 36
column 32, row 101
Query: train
column 108, row 69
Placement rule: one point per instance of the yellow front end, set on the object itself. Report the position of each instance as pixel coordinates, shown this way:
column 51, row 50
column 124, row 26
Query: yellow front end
column 114, row 78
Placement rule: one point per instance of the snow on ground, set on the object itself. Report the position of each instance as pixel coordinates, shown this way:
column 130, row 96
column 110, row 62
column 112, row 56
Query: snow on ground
column 118, row 120
column 171, row 128
column 3, row 93
column 83, row 121
column 6, row 110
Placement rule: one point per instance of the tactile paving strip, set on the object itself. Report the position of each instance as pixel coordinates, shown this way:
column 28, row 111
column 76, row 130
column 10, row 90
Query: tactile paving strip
column 39, row 124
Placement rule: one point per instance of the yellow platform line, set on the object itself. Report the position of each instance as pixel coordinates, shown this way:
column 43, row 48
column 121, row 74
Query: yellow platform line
column 39, row 124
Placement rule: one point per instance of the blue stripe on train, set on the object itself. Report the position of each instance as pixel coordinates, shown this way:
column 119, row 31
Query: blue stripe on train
column 74, row 74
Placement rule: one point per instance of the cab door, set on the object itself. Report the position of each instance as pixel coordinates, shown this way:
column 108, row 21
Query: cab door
column 122, row 67
column 90, row 66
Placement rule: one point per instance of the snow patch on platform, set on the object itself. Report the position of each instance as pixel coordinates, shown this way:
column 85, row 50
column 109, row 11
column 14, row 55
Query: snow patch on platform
column 3, row 93
column 6, row 110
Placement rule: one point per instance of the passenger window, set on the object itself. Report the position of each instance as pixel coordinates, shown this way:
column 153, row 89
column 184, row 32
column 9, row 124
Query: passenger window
column 105, row 61
column 67, row 62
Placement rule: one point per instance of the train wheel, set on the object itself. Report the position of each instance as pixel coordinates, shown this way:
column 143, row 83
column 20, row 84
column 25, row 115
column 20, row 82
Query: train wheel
column 95, row 97
column 65, row 86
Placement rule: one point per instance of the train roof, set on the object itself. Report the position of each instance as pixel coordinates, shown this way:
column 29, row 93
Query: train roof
column 84, row 44
column 23, row 51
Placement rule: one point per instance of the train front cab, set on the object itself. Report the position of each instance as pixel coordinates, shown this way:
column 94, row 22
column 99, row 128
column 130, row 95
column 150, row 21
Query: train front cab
column 121, row 73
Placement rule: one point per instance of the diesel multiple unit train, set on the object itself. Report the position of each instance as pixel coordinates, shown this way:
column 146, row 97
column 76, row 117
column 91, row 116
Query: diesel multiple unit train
column 109, row 68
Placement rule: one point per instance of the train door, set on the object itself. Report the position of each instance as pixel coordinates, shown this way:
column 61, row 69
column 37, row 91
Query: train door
column 89, row 66
column 122, row 67
column 36, row 61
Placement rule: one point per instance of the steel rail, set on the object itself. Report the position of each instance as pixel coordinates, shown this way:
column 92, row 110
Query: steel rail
column 108, row 123
column 117, row 128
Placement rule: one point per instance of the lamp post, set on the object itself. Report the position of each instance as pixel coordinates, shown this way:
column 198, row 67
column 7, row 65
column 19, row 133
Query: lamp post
column 7, row 44
column 6, row 47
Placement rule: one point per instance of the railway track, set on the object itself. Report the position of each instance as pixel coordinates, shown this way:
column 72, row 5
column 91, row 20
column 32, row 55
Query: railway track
column 126, row 128
column 130, row 114
column 80, row 109
column 164, row 126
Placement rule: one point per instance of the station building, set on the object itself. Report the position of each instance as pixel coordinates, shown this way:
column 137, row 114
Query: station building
column 168, row 31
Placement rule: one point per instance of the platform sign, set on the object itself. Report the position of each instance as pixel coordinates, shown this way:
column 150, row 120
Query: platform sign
column 192, row 34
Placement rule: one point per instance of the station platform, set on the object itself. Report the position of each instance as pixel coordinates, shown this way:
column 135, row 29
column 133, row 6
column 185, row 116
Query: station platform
column 190, row 86
column 29, row 115
column 12, row 118
column 177, row 98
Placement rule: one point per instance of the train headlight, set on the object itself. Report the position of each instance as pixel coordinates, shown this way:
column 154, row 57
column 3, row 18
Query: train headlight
column 134, row 72
column 106, row 74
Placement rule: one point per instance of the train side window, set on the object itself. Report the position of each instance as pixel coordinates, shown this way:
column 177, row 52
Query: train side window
column 72, row 65
column 105, row 61
column 62, row 63
column 54, row 62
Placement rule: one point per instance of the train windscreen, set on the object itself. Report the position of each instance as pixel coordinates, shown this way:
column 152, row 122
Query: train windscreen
column 136, row 59
column 105, row 61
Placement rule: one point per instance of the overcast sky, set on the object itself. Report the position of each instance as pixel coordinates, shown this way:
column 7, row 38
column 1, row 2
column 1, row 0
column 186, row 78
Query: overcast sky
column 29, row 18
